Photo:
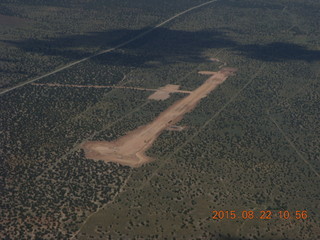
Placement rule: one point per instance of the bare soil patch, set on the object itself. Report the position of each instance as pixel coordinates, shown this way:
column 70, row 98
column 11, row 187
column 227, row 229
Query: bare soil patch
column 206, row 73
column 130, row 149
column 12, row 21
column 164, row 92
column 160, row 94
column 214, row 59
column 224, row 64
column 176, row 128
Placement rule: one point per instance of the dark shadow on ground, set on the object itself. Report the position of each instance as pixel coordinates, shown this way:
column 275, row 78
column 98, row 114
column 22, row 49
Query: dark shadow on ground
column 157, row 43
column 278, row 51
column 7, row 60
column 160, row 44
column 263, row 4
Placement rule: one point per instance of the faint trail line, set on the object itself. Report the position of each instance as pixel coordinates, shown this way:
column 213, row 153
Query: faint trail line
column 108, row 50
column 78, row 144
column 116, row 121
column 126, row 115
column 104, row 205
column 97, row 86
column 293, row 146
column 123, row 187
column 169, row 156
column 177, row 82
column 239, row 229
column 130, row 149
column 138, row 107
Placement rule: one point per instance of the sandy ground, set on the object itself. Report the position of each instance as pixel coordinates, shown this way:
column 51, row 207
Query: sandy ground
column 164, row 92
column 129, row 150
column 160, row 94
column 176, row 128
column 12, row 21
column 92, row 86
column 206, row 73
column 107, row 50
column 224, row 64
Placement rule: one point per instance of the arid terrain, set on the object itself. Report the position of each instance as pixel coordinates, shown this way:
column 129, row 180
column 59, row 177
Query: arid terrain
column 130, row 149
column 12, row 21
column 160, row 94
column 114, row 126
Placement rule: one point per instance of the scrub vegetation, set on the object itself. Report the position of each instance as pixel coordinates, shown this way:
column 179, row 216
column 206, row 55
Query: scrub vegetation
column 251, row 144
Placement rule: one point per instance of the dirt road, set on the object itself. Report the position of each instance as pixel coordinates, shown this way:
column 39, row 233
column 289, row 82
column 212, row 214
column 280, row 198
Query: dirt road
column 160, row 94
column 107, row 50
column 129, row 150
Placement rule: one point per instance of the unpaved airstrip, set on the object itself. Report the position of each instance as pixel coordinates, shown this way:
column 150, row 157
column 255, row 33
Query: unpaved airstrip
column 160, row 94
column 130, row 149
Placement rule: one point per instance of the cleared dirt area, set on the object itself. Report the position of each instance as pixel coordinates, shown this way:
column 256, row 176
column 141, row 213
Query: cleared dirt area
column 160, row 94
column 224, row 64
column 129, row 150
column 12, row 21
column 164, row 92
column 176, row 128
column 91, row 86
column 206, row 73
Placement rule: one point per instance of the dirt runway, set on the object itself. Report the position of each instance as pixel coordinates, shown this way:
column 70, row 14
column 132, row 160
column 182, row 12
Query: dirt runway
column 129, row 150
column 159, row 94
